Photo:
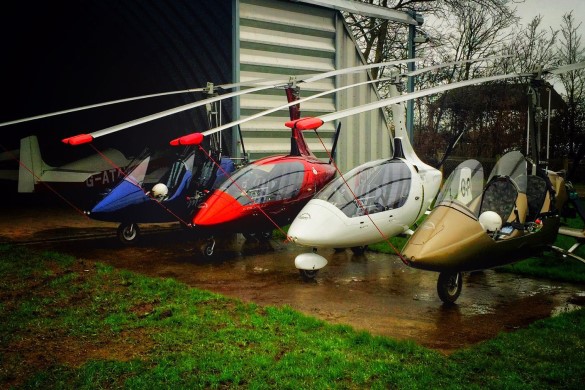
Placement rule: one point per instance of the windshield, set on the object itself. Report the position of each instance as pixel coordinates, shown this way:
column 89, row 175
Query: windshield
column 378, row 186
column 137, row 174
column 464, row 184
column 266, row 183
column 164, row 168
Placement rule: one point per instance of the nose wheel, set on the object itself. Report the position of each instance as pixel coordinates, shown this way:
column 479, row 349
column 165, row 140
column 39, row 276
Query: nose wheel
column 449, row 286
column 128, row 233
column 308, row 274
column 209, row 247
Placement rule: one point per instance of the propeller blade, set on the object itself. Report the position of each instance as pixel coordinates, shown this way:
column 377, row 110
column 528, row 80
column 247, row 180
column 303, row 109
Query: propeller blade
column 190, row 139
column 78, row 139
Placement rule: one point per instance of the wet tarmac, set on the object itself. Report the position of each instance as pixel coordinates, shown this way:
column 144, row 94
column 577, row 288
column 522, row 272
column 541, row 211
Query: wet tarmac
column 372, row 292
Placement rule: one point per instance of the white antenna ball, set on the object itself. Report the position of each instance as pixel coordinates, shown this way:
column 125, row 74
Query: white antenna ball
column 159, row 191
column 490, row 221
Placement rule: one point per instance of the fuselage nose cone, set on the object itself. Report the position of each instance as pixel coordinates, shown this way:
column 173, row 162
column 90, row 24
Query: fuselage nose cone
column 219, row 208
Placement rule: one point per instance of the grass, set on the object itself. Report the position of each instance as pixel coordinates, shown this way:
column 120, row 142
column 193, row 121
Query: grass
column 68, row 323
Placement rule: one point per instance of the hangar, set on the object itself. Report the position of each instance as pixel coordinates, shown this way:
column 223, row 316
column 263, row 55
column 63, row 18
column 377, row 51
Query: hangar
column 75, row 53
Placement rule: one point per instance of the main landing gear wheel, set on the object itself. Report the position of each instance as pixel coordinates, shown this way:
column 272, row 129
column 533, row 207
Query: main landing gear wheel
column 449, row 286
column 308, row 274
column 265, row 235
column 359, row 250
column 128, row 233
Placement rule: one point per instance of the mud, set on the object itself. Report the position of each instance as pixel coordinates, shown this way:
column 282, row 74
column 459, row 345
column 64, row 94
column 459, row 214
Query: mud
column 372, row 292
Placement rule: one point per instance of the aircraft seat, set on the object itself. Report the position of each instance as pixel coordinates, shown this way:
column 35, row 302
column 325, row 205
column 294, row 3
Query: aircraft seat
column 536, row 192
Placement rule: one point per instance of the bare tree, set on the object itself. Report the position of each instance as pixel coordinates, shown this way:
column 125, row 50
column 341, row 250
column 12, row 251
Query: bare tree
column 473, row 29
column 570, row 51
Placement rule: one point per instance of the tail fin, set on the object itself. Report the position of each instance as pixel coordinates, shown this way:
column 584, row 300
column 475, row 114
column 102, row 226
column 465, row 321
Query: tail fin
column 32, row 165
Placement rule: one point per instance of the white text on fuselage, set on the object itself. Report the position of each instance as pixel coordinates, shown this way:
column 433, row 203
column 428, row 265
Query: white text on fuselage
column 103, row 178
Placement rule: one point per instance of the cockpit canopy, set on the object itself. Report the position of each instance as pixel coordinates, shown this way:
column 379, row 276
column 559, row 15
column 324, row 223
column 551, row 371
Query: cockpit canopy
column 374, row 187
column 463, row 186
column 147, row 173
column 265, row 183
column 465, row 190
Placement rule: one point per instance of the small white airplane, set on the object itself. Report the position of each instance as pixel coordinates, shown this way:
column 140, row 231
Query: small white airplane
column 34, row 174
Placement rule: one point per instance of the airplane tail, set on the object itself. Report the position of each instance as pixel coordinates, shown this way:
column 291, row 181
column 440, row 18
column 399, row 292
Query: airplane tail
column 32, row 165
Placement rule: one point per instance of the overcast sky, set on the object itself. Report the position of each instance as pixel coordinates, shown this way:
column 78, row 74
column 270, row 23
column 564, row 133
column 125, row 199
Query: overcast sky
column 552, row 12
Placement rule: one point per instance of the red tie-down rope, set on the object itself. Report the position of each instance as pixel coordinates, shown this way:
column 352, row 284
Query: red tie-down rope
column 133, row 182
column 360, row 204
column 243, row 191
column 44, row 183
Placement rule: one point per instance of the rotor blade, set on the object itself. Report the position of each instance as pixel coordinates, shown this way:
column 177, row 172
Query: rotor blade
column 413, row 95
column 171, row 111
column 438, row 66
column 433, row 90
column 111, row 102
column 566, row 68
column 269, row 111
column 42, row 116
column 254, row 82
column 356, row 69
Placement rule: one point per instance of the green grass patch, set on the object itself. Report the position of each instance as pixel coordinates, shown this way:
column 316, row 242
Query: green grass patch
column 552, row 265
column 67, row 323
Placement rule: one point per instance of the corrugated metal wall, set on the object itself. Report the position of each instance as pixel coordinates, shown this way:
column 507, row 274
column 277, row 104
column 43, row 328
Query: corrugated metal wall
column 284, row 38
column 366, row 136
column 71, row 53
column 85, row 52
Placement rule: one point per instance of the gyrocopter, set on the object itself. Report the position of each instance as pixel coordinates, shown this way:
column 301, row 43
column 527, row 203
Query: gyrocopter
column 173, row 194
column 269, row 192
column 155, row 186
column 473, row 226
column 366, row 206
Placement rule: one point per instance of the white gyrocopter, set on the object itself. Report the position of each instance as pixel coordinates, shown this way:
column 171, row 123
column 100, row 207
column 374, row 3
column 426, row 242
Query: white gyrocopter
column 376, row 200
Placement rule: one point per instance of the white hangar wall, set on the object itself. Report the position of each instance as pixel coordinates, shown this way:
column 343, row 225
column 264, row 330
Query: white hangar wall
column 282, row 38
